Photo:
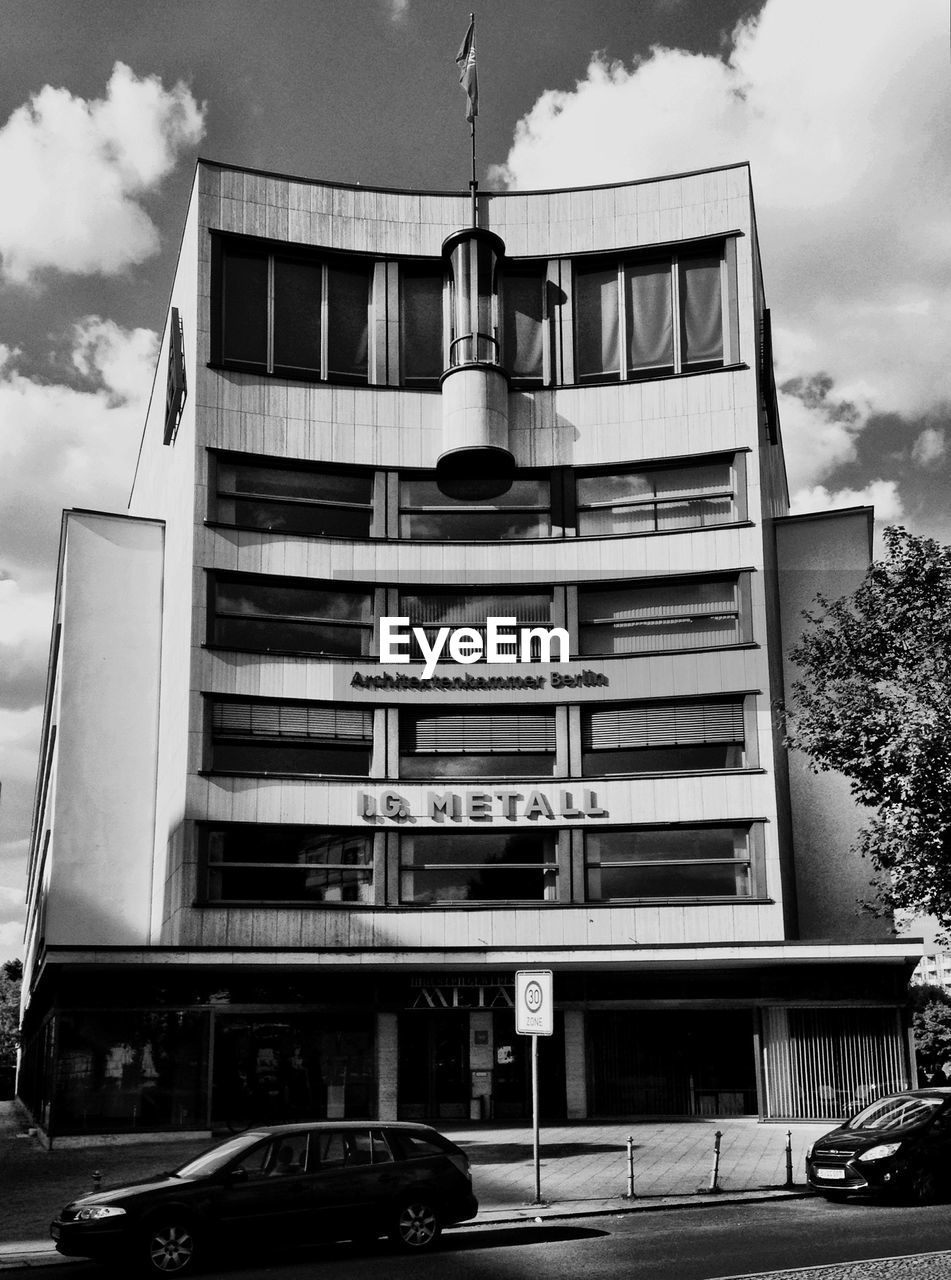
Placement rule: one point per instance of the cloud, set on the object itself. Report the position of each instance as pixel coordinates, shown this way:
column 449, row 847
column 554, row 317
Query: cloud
column 845, row 117
column 929, row 447
column 74, row 170
column 881, row 494
column 73, row 446
column 397, row 10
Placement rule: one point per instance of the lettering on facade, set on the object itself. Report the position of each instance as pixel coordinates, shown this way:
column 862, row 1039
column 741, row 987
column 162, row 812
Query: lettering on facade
column 462, row 997
column 469, row 683
column 482, row 806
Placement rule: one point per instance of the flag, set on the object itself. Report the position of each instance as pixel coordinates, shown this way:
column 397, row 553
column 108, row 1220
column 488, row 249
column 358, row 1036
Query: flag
column 466, row 62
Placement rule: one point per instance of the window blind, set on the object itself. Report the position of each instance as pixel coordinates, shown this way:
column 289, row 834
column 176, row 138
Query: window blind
column 281, row 720
column 472, row 610
column 478, row 734
column 661, row 725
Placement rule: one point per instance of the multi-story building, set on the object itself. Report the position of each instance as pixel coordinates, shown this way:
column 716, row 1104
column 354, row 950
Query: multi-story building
column 284, row 866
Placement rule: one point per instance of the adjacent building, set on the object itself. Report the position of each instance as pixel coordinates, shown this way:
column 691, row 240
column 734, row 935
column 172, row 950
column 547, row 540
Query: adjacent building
column 442, row 639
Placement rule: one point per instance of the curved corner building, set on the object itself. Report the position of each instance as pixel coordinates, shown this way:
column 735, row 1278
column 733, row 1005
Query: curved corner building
column 283, row 866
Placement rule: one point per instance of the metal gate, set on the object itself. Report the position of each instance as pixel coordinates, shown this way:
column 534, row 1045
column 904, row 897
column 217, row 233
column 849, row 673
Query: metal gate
column 826, row 1063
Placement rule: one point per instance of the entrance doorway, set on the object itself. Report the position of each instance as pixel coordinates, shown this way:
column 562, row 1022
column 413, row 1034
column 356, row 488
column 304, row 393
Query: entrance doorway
column 512, row 1074
column 671, row 1063
column 433, row 1082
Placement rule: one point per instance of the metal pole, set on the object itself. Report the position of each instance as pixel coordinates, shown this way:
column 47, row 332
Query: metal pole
column 538, row 1168
column 630, row 1168
column 473, row 184
column 715, row 1172
column 789, row 1177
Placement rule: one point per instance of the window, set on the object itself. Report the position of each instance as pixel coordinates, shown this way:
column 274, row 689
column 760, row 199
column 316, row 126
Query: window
column 421, row 324
column 648, row 317
column 657, row 616
column 257, row 863
column 477, row 744
column 662, row 737
column 295, row 315
column 659, row 499
column 290, row 738
column 427, row 514
column 294, row 499
column 671, row 862
column 286, row 615
column 477, row 867
column 523, row 322
column 434, row 609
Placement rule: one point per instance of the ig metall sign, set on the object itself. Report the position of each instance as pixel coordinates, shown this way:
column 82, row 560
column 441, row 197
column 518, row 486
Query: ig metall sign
column 534, row 1005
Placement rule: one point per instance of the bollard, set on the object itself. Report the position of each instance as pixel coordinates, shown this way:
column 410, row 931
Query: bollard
column 96, row 1179
column 715, row 1171
column 630, row 1169
column 789, row 1177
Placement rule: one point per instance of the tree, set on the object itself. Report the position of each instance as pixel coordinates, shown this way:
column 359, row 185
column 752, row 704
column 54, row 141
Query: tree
column 11, row 974
column 874, row 704
column 932, row 1027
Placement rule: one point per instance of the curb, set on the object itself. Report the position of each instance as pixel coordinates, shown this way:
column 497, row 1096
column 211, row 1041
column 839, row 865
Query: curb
column 39, row 1254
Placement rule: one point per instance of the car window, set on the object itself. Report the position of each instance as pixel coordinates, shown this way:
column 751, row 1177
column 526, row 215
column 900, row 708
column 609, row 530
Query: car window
column 894, row 1113
column 258, row 1160
column 289, row 1155
column 381, row 1150
column 211, row 1161
column 349, row 1148
column 417, row 1144
column 328, row 1151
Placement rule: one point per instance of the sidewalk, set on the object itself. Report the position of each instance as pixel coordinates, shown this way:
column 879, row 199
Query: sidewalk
column 584, row 1170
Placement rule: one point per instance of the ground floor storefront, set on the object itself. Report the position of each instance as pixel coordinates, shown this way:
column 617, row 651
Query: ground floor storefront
column 127, row 1049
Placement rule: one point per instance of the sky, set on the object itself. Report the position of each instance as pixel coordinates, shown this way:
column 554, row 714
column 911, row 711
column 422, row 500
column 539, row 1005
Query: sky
column 842, row 108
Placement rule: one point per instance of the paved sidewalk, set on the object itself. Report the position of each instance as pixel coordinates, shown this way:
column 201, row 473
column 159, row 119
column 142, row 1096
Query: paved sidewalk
column 583, row 1170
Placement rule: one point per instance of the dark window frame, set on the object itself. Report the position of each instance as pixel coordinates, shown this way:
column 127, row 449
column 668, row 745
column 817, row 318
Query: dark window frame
column 731, row 706
column 271, row 253
column 752, row 861
column 220, row 461
column 741, row 611
column 547, row 866
column 514, row 754
column 352, row 873
column 264, row 738
column 215, row 615
column 735, row 491
column 672, row 258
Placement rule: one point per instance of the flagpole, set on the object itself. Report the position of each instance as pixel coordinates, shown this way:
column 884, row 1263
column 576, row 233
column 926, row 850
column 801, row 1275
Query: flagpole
column 473, row 184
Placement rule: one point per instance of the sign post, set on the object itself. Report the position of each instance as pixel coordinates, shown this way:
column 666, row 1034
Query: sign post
column 534, row 1016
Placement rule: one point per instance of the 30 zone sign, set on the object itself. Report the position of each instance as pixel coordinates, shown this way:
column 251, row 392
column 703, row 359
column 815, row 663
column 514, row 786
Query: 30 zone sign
column 534, row 1007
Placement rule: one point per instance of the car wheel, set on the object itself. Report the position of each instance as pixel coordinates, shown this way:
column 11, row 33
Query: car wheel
column 170, row 1247
column 417, row 1226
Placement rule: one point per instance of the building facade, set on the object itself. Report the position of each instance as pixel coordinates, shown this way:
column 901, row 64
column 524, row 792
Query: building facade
column 442, row 639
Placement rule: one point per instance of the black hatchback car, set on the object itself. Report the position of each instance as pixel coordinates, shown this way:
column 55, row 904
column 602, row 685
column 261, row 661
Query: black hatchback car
column 292, row 1183
column 899, row 1145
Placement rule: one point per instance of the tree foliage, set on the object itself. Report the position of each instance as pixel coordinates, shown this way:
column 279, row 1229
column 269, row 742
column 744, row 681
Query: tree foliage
column 874, row 704
column 932, row 1027
column 11, row 974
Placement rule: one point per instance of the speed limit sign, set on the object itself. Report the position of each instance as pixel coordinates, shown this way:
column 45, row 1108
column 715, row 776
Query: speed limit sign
column 534, row 1007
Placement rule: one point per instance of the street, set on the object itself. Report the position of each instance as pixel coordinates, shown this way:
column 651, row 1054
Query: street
column 689, row 1244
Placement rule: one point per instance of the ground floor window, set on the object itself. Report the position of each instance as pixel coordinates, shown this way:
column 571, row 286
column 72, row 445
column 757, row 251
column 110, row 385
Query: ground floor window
column 128, row 1071
column 827, row 1063
column 293, row 1066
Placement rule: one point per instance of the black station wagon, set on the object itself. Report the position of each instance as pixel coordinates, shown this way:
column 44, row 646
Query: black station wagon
column 292, row 1183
